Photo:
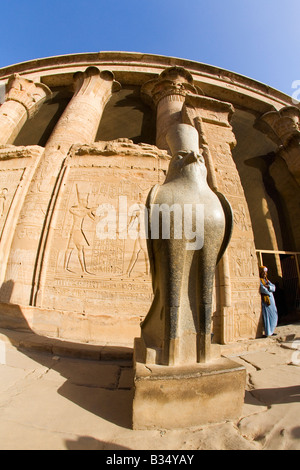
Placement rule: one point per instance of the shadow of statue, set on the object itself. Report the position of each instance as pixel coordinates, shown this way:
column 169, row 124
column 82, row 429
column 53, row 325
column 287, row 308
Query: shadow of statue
column 90, row 443
column 273, row 396
column 91, row 383
column 296, row 432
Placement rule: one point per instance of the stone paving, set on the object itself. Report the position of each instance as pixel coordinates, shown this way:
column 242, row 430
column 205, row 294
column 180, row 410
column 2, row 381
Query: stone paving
column 54, row 396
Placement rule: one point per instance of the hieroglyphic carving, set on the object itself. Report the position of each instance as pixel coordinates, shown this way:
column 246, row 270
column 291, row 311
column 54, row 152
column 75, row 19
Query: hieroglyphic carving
column 243, row 259
column 3, row 197
column 78, row 123
column 242, row 318
column 15, row 162
column 106, row 256
column 77, row 237
column 88, row 273
column 9, row 181
column 241, row 218
column 17, row 167
column 140, row 245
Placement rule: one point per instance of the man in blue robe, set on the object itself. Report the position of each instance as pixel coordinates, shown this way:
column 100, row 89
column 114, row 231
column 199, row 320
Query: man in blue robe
column 269, row 310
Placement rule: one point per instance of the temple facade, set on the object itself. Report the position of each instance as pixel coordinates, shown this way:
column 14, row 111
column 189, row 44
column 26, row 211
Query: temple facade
column 83, row 141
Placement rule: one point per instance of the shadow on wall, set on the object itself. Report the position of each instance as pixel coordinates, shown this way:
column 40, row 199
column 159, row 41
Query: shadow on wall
column 16, row 317
column 36, row 131
column 92, row 384
column 126, row 116
column 263, row 163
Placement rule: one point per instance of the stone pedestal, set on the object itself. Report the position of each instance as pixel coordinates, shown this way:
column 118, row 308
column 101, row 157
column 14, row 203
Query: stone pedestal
column 186, row 396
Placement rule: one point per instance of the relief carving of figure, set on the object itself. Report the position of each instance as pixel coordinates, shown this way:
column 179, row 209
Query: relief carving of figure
column 77, row 238
column 140, row 247
column 3, row 194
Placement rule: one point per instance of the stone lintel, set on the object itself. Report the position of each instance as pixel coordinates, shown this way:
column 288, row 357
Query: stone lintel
column 211, row 110
column 121, row 147
column 178, row 397
column 10, row 152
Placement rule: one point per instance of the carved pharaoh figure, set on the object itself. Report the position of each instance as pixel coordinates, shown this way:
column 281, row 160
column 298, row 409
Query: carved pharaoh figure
column 3, row 194
column 177, row 329
column 139, row 247
column 77, row 238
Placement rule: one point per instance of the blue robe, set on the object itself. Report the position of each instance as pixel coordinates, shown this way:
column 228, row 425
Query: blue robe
column 269, row 312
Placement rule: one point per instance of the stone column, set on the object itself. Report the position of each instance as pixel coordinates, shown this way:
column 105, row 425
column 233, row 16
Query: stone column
column 23, row 100
column 78, row 124
column 283, row 127
column 167, row 94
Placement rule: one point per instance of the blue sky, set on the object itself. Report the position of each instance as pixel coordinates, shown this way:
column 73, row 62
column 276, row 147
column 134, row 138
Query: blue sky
column 256, row 38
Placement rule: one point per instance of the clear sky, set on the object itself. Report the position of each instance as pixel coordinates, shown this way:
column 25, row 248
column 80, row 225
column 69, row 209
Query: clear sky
column 256, row 38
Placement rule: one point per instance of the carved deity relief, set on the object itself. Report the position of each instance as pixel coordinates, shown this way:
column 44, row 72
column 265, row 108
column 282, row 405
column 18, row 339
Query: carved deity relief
column 77, row 237
column 140, row 245
column 97, row 258
column 17, row 167
column 78, row 123
column 9, row 183
column 3, row 198
column 115, row 255
column 241, row 218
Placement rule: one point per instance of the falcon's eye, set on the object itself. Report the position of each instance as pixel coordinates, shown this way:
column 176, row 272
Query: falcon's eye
column 180, row 155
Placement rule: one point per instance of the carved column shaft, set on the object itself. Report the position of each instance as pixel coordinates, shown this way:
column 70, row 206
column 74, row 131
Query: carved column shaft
column 23, row 100
column 78, row 124
column 80, row 120
column 12, row 118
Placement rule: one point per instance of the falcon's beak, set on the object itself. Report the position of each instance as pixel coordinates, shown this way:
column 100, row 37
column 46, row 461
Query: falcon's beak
column 191, row 157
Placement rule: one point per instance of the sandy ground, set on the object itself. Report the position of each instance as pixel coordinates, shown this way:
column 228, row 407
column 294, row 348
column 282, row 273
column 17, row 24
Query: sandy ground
column 49, row 401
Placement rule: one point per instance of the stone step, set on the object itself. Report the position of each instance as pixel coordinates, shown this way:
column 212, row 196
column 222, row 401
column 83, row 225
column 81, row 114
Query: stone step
column 29, row 341
column 284, row 333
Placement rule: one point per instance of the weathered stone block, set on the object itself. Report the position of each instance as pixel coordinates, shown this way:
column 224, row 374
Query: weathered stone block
column 178, row 397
